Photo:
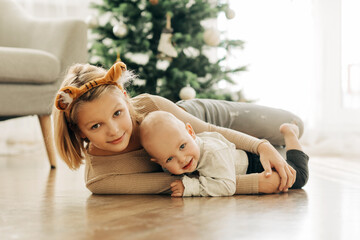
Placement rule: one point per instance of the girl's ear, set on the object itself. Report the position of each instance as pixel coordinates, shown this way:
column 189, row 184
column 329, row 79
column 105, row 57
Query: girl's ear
column 190, row 130
column 82, row 135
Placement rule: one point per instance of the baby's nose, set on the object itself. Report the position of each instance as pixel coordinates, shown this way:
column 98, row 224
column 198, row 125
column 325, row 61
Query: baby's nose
column 182, row 159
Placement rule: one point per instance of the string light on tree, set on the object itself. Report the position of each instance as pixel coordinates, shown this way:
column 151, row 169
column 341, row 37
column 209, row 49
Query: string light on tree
column 154, row 2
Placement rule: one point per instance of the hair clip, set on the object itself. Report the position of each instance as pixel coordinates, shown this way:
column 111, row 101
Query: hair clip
column 67, row 95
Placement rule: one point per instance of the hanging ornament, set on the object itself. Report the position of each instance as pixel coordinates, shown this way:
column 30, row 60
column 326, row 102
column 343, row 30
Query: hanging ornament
column 154, row 2
column 229, row 13
column 212, row 37
column 120, row 30
column 92, row 21
column 165, row 47
column 187, row 93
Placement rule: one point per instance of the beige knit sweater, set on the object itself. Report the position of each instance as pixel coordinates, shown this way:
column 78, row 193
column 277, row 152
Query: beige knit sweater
column 134, row 173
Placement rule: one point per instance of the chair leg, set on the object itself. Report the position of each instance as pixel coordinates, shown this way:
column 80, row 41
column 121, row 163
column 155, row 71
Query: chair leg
column 46, row 129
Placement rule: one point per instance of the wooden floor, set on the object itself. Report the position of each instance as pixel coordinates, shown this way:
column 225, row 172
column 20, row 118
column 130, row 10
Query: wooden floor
column 36, row 203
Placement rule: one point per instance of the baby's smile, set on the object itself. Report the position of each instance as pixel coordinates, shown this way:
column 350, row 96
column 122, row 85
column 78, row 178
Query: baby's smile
column 187, row 166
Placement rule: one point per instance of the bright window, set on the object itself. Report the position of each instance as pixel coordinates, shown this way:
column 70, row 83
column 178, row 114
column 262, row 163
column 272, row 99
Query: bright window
column 350, row 49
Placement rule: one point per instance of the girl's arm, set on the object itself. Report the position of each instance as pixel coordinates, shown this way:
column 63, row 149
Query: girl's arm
column 269, row 184
column 140, row 183
column 257, row 183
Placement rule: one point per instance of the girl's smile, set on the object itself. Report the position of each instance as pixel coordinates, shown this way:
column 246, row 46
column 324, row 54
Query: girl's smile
column 118, row 140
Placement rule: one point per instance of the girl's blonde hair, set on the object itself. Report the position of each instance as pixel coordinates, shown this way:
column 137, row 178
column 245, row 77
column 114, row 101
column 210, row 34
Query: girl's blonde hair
column 71, row 147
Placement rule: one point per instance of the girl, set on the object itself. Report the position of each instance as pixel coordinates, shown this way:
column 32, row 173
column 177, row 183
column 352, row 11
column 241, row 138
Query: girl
column 95, row 120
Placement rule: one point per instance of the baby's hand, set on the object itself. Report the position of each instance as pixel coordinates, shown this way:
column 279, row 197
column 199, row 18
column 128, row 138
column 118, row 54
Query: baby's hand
column 177, row 188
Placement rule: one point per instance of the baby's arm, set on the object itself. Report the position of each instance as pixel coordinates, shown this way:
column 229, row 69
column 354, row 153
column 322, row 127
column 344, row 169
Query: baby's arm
column 216, row 174
column 208, row 186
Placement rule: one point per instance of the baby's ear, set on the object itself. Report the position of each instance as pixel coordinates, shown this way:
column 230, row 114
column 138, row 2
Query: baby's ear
column 190, row 130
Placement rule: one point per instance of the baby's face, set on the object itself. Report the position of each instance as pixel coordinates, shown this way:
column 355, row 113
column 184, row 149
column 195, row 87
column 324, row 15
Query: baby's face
column 175, row 149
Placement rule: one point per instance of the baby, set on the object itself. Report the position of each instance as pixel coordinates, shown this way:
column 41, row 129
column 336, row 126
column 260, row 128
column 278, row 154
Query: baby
column 209, row 163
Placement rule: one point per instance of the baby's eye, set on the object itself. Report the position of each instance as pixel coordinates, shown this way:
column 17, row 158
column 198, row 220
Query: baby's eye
column 182, row 146
column 117, row 113
column 169, row 159
column 95, row 126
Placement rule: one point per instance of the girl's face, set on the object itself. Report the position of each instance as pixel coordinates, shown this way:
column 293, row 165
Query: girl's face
column 106, row 122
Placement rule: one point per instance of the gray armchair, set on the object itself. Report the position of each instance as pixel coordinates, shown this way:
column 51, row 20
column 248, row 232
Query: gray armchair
column 34, row 55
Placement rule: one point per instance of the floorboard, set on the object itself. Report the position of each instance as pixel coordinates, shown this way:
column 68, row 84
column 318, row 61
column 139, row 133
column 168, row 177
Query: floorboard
column 39, row 203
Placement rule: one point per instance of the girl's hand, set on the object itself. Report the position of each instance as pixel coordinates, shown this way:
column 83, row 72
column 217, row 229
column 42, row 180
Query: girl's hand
column 270, row 158
column 177, row 188
column 269, row 184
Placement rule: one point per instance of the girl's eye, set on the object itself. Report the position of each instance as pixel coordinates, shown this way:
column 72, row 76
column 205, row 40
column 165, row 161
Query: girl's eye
column 169, row 159
column 182, row 146
column 117, row 113
column 95, row 126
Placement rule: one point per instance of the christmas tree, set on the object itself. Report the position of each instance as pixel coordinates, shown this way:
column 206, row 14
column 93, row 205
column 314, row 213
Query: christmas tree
column 166, row 43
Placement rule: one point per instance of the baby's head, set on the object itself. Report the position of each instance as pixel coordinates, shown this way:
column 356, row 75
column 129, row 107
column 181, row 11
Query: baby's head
column 89, row 99
column 170, row 142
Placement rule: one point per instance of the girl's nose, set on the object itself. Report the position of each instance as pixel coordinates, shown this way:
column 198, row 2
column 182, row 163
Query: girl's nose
column 113, row 129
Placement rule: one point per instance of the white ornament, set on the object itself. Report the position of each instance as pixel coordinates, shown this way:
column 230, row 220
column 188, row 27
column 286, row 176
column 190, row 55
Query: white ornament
column 230, row 14
column 120, row 30
column 92, row 21
column 212, row 37
column 187, row 93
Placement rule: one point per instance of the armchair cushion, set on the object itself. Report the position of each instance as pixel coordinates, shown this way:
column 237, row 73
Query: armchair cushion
column 23, row 65
column 48, row 47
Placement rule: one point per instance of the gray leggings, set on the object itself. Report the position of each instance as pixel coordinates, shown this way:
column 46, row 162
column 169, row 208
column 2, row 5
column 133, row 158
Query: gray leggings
column 255, row 120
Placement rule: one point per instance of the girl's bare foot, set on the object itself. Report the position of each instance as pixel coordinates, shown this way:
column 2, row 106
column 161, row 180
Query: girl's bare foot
column 287, row 129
